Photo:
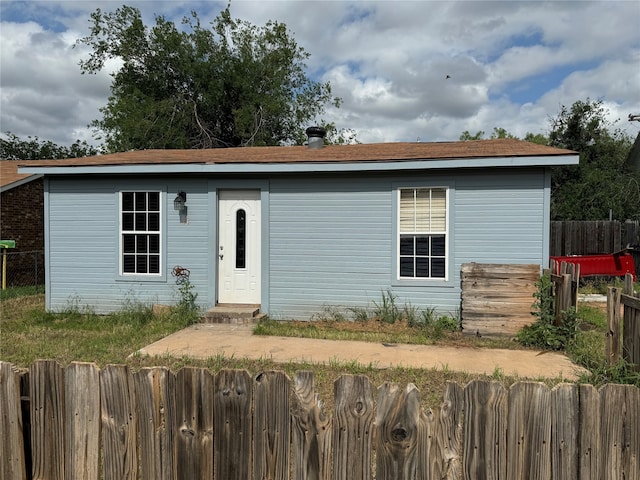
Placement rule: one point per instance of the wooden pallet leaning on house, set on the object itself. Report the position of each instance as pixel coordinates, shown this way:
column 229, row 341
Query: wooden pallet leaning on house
column 497, row 299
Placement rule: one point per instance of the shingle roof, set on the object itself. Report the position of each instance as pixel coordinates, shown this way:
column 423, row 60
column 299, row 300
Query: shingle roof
column 331, row 153
column 9, row 173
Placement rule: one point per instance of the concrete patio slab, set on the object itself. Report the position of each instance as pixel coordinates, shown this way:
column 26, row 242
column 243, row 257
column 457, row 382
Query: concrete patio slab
column 237, row 340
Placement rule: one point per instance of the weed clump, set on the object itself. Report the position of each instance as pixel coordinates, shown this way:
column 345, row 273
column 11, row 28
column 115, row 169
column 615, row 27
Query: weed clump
column 544, row 333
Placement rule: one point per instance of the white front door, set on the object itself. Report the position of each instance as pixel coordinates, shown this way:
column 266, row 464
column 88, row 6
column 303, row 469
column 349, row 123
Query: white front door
column 239, row 246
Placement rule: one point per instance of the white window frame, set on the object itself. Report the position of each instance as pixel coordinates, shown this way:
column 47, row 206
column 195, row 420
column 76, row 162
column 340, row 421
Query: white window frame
column 122, row 232
column 422, row 233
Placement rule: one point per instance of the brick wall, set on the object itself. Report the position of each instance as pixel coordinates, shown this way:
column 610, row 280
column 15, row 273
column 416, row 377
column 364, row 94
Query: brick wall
column 22, row 220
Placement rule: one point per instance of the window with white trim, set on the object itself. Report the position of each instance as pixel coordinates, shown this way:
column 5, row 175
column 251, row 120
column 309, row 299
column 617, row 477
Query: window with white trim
column 422, row 243
column 140, row 233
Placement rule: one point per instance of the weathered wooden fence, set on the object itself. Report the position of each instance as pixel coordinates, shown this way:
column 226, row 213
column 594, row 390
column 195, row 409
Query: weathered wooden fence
column 592, row 237
column 88, row 423
column 628, row 323
column 497, row 299
column 565, row 278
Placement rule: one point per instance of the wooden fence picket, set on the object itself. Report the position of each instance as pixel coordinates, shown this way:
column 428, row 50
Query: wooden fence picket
column 397, row 431
column 451, row 415
column 589, row 437
column 12, row 458
column 46, row 384
column 486, row 408
column 194, row 424
column 529, row 432
column 440, row 441
column 631, row 329
column 612, row 340
column 623, row 328
column 119, row 423
column 353, row 418
column 233, row 403
column 565, row 415
column 82, row 421
column 156, row 390
column 271, row 426
column 428, row 448
column 311, row 432
column 620, row 431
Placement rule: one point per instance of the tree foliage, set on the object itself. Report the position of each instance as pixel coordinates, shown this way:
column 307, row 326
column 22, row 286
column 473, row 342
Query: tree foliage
column 32, row 148
column 233, row 84
column 479, row 135
column 604, row 182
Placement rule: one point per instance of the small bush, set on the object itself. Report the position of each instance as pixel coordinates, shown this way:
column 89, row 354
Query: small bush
column 548, row 336
column 188, row 297
column 448, row 324
column 544, row 333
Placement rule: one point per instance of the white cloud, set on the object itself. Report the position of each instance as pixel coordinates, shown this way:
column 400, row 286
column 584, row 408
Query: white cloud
column 511, row 64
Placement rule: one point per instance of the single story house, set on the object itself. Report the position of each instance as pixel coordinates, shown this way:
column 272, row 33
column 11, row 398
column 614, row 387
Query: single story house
column 22, row 220
column 293, row 229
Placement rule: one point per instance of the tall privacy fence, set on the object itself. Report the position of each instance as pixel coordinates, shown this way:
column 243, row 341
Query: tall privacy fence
column 589, row 238
column 90, row 423
column 24, row 269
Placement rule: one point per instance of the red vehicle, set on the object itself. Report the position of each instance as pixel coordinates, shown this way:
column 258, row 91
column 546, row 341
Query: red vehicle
column 611, row 265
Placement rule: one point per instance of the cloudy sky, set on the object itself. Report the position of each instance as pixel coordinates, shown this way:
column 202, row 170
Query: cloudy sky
column 511, row 64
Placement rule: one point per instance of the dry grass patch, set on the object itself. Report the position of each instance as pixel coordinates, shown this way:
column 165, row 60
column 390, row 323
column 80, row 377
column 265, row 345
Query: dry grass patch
column 28, row 332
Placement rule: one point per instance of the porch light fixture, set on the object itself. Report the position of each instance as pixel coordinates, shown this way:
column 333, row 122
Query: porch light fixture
column 179, row 201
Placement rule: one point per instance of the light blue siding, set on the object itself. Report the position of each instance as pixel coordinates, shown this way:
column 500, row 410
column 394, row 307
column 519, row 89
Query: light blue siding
column 500, row 218
column 332, row 242
column 83, row 243
column 328, row 240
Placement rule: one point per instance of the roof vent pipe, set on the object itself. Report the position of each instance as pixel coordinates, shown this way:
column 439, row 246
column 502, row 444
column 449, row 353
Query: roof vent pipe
column 316, row 137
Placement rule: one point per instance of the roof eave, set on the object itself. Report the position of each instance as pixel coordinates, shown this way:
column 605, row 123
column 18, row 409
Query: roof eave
column 17, row 183
column 308, row 167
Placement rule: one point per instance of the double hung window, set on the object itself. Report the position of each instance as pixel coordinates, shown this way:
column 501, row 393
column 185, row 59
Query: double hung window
column 140, row 233
column 422, row 242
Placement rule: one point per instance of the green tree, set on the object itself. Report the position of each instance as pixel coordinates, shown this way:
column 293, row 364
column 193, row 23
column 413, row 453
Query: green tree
column 603, row 182
column 234, row 84
column 466, row 136
column 479, row 135
column 538, row 138
column 32, row 148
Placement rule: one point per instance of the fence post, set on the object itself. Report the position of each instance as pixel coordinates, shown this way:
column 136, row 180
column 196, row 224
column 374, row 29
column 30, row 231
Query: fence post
column 612, row 346
column 35, row 271
column 563, row 297
column 631, row 325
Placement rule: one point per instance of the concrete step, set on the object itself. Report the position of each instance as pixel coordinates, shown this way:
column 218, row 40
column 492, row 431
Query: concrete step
column 237, row 314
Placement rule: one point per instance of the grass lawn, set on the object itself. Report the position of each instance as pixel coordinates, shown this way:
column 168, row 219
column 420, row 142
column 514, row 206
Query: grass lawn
column 28, row 332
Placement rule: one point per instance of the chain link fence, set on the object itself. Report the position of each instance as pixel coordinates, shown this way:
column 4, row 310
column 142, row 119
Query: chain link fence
column 24, row 269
